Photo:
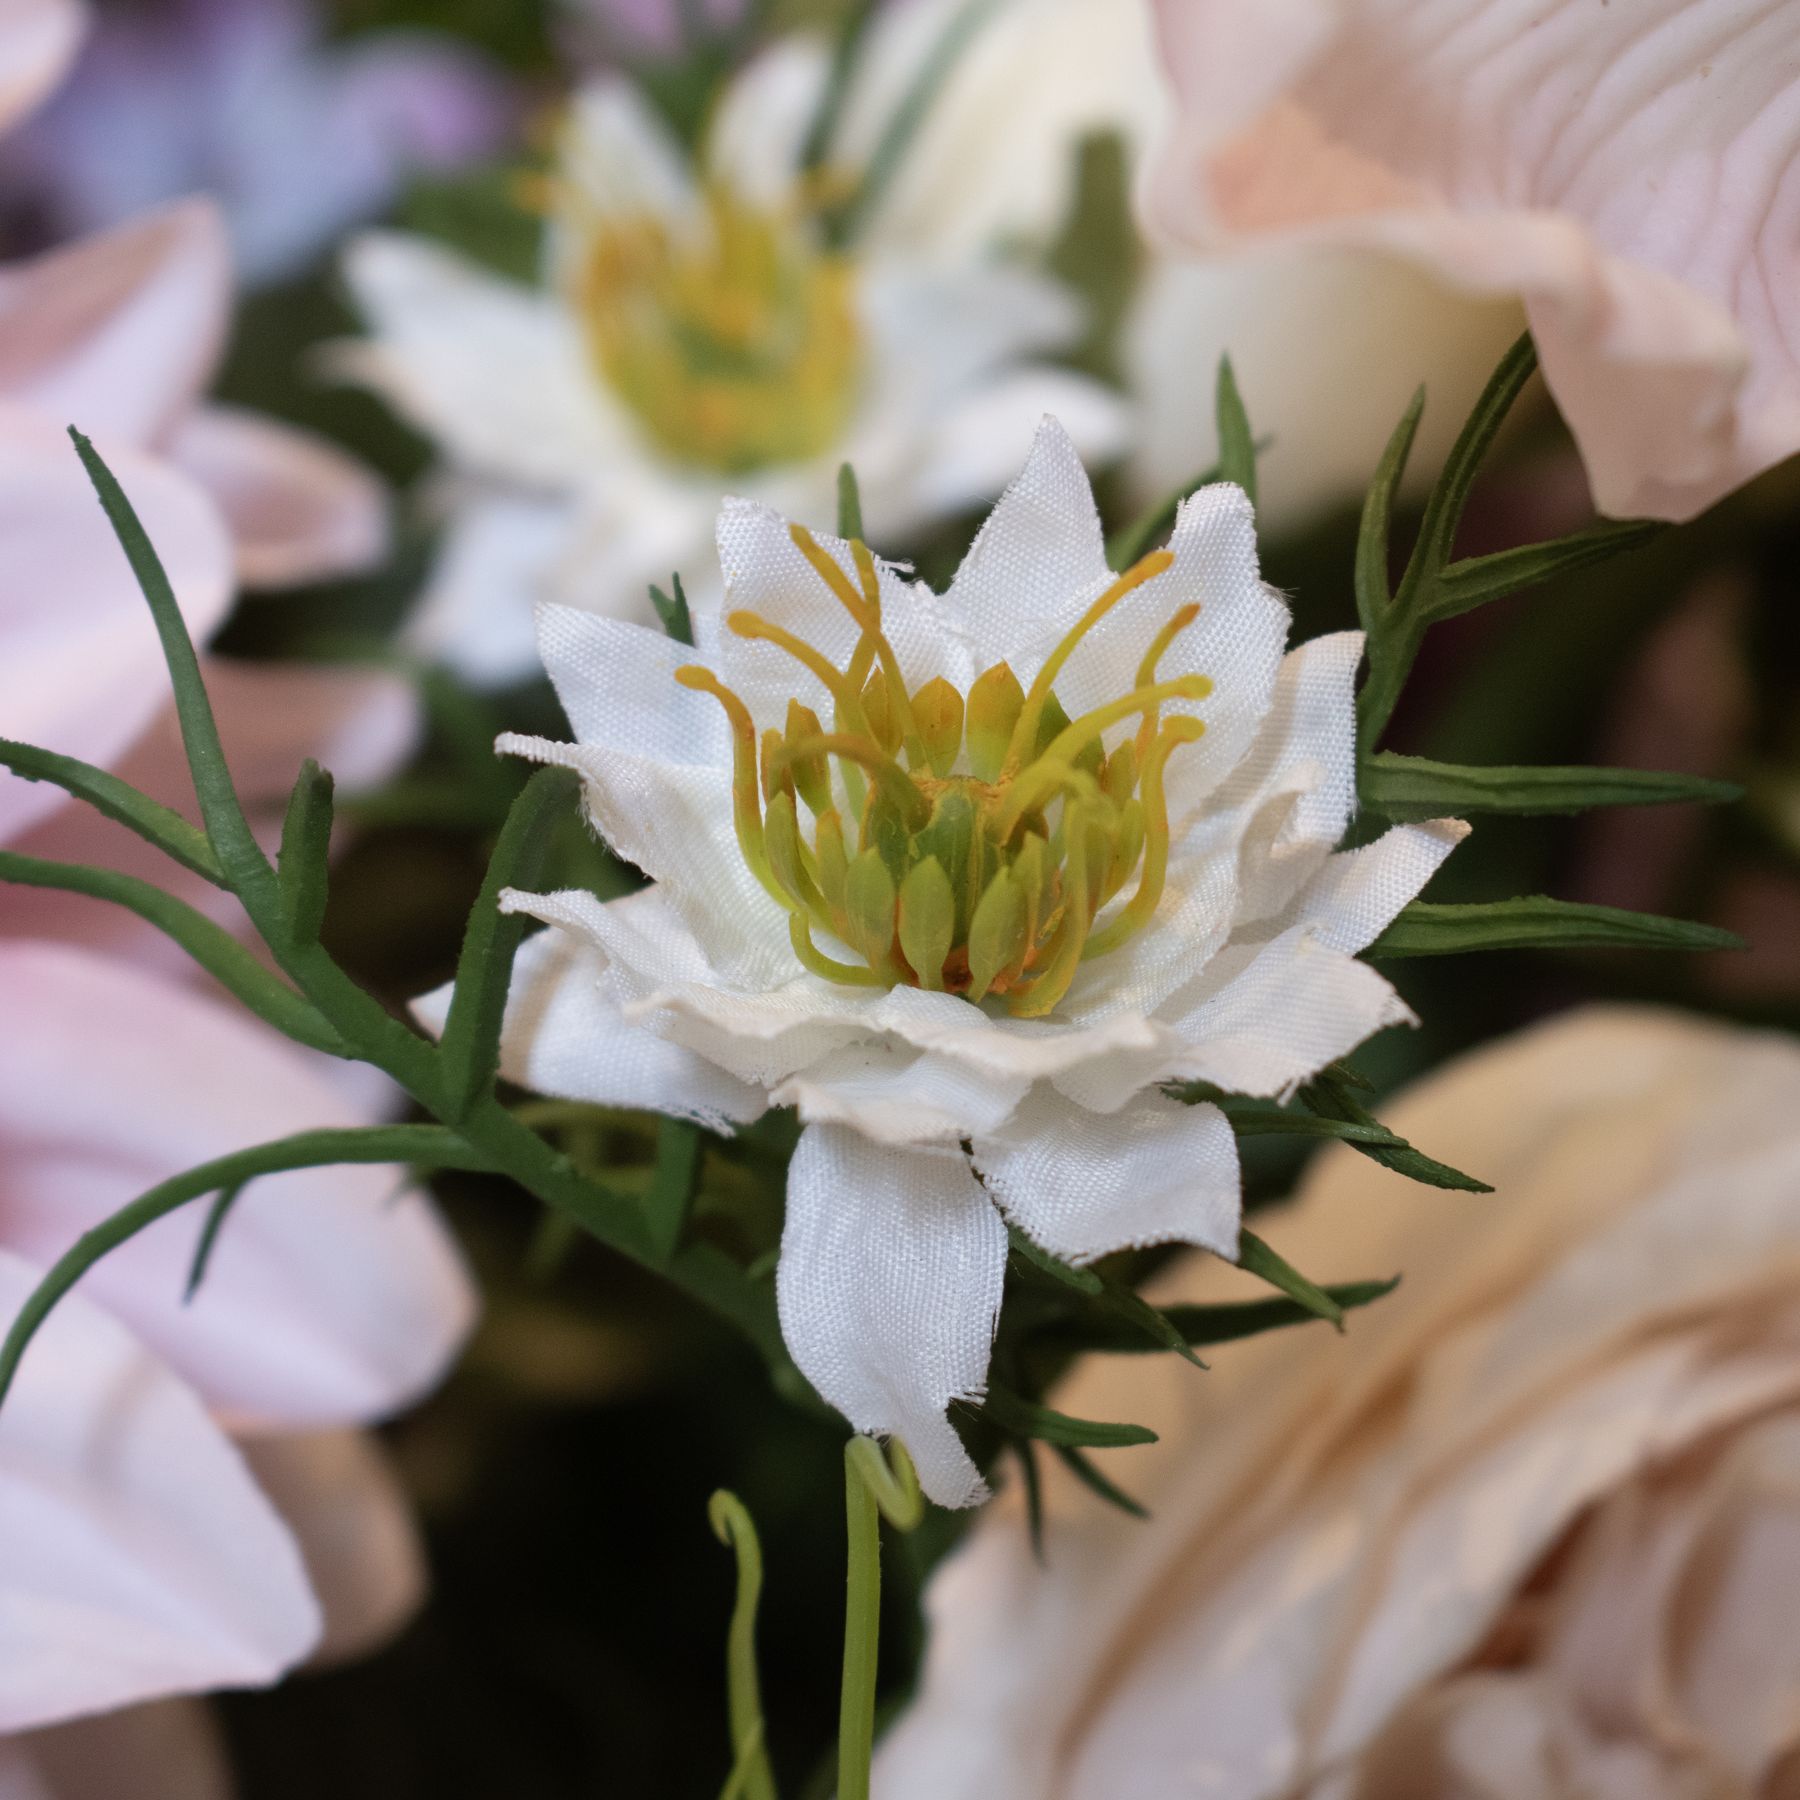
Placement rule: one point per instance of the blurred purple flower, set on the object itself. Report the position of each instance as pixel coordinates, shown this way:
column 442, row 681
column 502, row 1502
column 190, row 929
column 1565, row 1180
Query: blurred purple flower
column 295, row 137
column 605, row 30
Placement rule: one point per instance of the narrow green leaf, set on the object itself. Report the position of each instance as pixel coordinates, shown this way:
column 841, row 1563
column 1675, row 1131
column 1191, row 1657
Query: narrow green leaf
column 1237, row 449
column 424, row 1146
column 1151, row 1323
column 1269, row 1121
column 1083, row 1281
column 672, row 610
column 678, row 1148
column 216, row 1215
column 1374, row 532
column 1082, row 1468
column 1131, row 540
column 854, row 24
column 1023, row 1418
column 1026, row 1451
column 1478, row 579
column 1223, row 1323
column 1450, row 492
column 1415, row 787
column 1335, row 1104
column 469, row 1051
column 849, row 503
column 210, row 945
column 1256, row 1258
column 1538, row 923
column 119, row 801
column 304, row 864
column 240, row 857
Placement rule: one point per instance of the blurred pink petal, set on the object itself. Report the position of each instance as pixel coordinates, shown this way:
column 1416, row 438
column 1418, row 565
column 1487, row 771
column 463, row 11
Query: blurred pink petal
column 345, row 1506
column 83, row 673
column 165, row 1750
column 118, row 334
column 299, row 510
column 332, row 1296
column 1628, row 171
column 38, row 39
column 137, row 1557
column 361, row 724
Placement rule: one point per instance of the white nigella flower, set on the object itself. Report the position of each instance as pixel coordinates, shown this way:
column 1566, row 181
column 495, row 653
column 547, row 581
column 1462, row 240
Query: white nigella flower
column 967, row 939
column 698, row 330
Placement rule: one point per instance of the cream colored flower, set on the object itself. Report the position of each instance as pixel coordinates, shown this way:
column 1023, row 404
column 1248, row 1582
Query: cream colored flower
column 1528, row 1531
column 697, row 331
column 1029, row 927
column 1328, row 344
column 1628, row 171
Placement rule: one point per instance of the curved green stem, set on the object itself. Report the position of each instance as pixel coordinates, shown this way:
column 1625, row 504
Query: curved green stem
column 875, row 1487
column 751, row 1776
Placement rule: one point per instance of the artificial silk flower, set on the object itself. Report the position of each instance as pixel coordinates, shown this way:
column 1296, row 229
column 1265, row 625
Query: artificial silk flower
column 698, row 330
column 38, row 40
column 1627, row 171
column 1327, row 344
column 1529, row 1532
column 162, row 1750
column 964, row 879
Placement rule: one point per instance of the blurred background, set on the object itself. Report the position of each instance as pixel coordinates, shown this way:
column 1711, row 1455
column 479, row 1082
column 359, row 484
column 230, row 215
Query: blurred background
column 573, row 1643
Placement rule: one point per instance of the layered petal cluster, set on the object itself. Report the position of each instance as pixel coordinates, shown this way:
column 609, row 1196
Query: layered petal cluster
column 1629, row 172
column 697, row 330
column 1530, row 1533
column 931, row 1120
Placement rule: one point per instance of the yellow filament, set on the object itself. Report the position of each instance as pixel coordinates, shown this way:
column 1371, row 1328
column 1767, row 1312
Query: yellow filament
column 1037, row 783
column 815, row 959
column 746, row 809
column 1040, row 995
column 889, row 776
column 1137, row 910
column 1146, row 671
column 865, row 610
column 1025, row 731
column 756, row 628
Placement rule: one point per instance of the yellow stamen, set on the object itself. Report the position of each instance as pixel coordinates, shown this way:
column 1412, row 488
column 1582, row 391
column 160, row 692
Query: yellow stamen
column 1146, row 673
column 1137, row 910
column 893, row 780
column 746, row 811
column 1025, row 732
column 755, row 628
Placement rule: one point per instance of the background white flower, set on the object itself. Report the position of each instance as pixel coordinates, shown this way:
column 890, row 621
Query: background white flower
column 696, row 333
column 688, row 997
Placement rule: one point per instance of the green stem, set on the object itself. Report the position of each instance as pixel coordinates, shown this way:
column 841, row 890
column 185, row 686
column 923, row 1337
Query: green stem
column 751, row 1776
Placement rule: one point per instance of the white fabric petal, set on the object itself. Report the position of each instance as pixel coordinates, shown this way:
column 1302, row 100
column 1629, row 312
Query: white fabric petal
column 1080, row 1184
column 83, row 672
column 1039, row 559
column 621, row 158
column 298, row 508
column 974, row 444
column 329, row 1297
column 118, row 333
column 1358, row 892
column 495, row 372
column 898, row 1095
column 616, row 681
column 342, row 1499
column 889, row 1286
column 757, row 133
column 565, row 1036
column 137, row 1557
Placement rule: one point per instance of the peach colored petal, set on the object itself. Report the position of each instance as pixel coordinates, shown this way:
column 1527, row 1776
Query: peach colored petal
column 83, row 673
column 118, row 333
column 332, row 1295
column 137, row 1557
column 343, row 1501
column 38, row 39
column 1629, row 171
column 164, row 1750
column 299, row 509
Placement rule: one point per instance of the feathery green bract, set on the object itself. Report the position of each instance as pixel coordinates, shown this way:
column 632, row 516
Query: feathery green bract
column 1332, row 1100
column 1415, row 787
column 1222, row 1323
column 1535, row 922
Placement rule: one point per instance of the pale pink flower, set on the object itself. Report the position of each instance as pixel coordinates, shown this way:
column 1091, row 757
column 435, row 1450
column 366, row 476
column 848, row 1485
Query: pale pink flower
column 1628, row 171
column 1527, row 1531
column 38, row 39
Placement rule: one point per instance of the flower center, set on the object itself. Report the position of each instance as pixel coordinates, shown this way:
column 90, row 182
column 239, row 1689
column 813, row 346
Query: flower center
column 963, row 843
column 734, row 345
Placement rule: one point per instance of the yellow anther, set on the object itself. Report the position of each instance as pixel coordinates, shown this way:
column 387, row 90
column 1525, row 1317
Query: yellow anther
column 1145, row 569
